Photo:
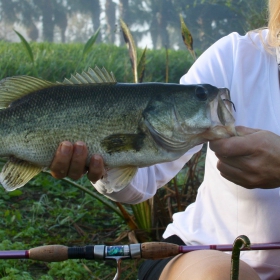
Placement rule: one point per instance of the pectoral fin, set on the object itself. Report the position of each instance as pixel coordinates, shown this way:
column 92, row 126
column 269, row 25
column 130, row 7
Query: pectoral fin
column 118, row 178
column 117, row 143
column 16, row 173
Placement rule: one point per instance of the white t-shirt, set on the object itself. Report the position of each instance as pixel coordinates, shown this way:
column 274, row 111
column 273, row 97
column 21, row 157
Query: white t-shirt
column 223, row 210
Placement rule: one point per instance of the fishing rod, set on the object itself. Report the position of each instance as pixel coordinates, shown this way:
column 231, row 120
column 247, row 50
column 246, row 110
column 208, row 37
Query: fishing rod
column 148, row 250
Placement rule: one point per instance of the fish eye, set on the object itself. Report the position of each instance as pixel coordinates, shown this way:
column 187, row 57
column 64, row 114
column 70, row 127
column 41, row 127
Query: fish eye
column 201, row 93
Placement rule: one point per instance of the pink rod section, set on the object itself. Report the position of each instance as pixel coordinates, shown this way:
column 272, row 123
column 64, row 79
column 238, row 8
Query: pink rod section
column 261, row 246
column 15, row 254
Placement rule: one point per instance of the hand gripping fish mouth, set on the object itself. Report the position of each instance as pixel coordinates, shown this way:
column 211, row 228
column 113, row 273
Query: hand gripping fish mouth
column 188, row 119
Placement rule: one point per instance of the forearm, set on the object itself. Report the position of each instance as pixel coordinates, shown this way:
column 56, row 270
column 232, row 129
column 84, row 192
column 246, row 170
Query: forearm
column 147, row 180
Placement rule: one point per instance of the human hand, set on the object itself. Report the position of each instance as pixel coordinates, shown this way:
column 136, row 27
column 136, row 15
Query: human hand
column 70, row 160
column 251, row 160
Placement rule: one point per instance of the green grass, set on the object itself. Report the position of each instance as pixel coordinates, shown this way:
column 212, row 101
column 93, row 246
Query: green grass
column 54, row 62
column 48, row 211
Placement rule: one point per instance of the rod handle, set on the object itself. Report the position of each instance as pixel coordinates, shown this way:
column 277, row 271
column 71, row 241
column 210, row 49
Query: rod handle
column 49, row 253
column 158, row 250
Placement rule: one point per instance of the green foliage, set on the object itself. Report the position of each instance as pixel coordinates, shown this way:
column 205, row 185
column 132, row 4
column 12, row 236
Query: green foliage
column 54, row 62
column 68, row 270
column 90, row 42
column 141, row 67
column 49, row 211
column 26, row 46
column 142, row 214
column 187, row 37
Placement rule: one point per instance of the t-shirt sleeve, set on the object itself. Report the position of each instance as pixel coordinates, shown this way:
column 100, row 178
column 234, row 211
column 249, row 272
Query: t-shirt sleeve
column 147, row 180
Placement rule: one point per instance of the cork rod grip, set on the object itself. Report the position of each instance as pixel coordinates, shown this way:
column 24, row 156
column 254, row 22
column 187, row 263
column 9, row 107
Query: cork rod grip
column 158, row 250
column 49, row 253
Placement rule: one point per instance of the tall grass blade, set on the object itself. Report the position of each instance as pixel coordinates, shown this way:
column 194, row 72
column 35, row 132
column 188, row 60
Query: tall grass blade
column 141, row 66
column 166, row 65
column 127, row 217
column 178, row 199
column 106, row 202
column 142, row 214
column 187, row 37
column 26, row 46
column 131, row 48
column 90, row 42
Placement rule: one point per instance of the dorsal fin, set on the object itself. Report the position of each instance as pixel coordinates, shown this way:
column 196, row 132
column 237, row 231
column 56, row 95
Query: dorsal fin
column 92, row 76
column 13, row 88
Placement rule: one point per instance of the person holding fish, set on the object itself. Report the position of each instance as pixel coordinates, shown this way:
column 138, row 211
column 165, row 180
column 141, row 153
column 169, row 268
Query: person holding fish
column 240, row 193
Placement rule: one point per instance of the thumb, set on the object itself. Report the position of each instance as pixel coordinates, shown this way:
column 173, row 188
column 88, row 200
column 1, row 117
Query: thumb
column 242, row 130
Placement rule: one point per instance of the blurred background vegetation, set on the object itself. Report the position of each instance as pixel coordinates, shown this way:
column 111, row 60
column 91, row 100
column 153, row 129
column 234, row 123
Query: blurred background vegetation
column 153, row 23
column 56, row 34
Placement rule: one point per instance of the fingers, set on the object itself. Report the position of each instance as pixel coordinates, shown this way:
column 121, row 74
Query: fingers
column 78, row 161
column 242, row 130
column 241, row 145
column 230, row 147
column 247, row 179
column 236, row 175
column 61, row 162
column 70, row 161
column 96, row 168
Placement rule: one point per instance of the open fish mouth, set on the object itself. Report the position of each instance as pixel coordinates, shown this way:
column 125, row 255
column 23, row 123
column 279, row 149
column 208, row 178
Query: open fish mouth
column 221, row 112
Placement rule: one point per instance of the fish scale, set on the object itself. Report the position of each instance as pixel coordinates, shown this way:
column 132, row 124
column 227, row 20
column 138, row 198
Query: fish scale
column 130, row 125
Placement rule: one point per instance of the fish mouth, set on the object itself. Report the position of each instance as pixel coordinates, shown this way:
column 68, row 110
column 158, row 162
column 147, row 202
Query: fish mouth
column 221, row 113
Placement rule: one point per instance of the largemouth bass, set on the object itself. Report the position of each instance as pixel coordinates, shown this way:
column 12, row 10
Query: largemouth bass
column 130, row 125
